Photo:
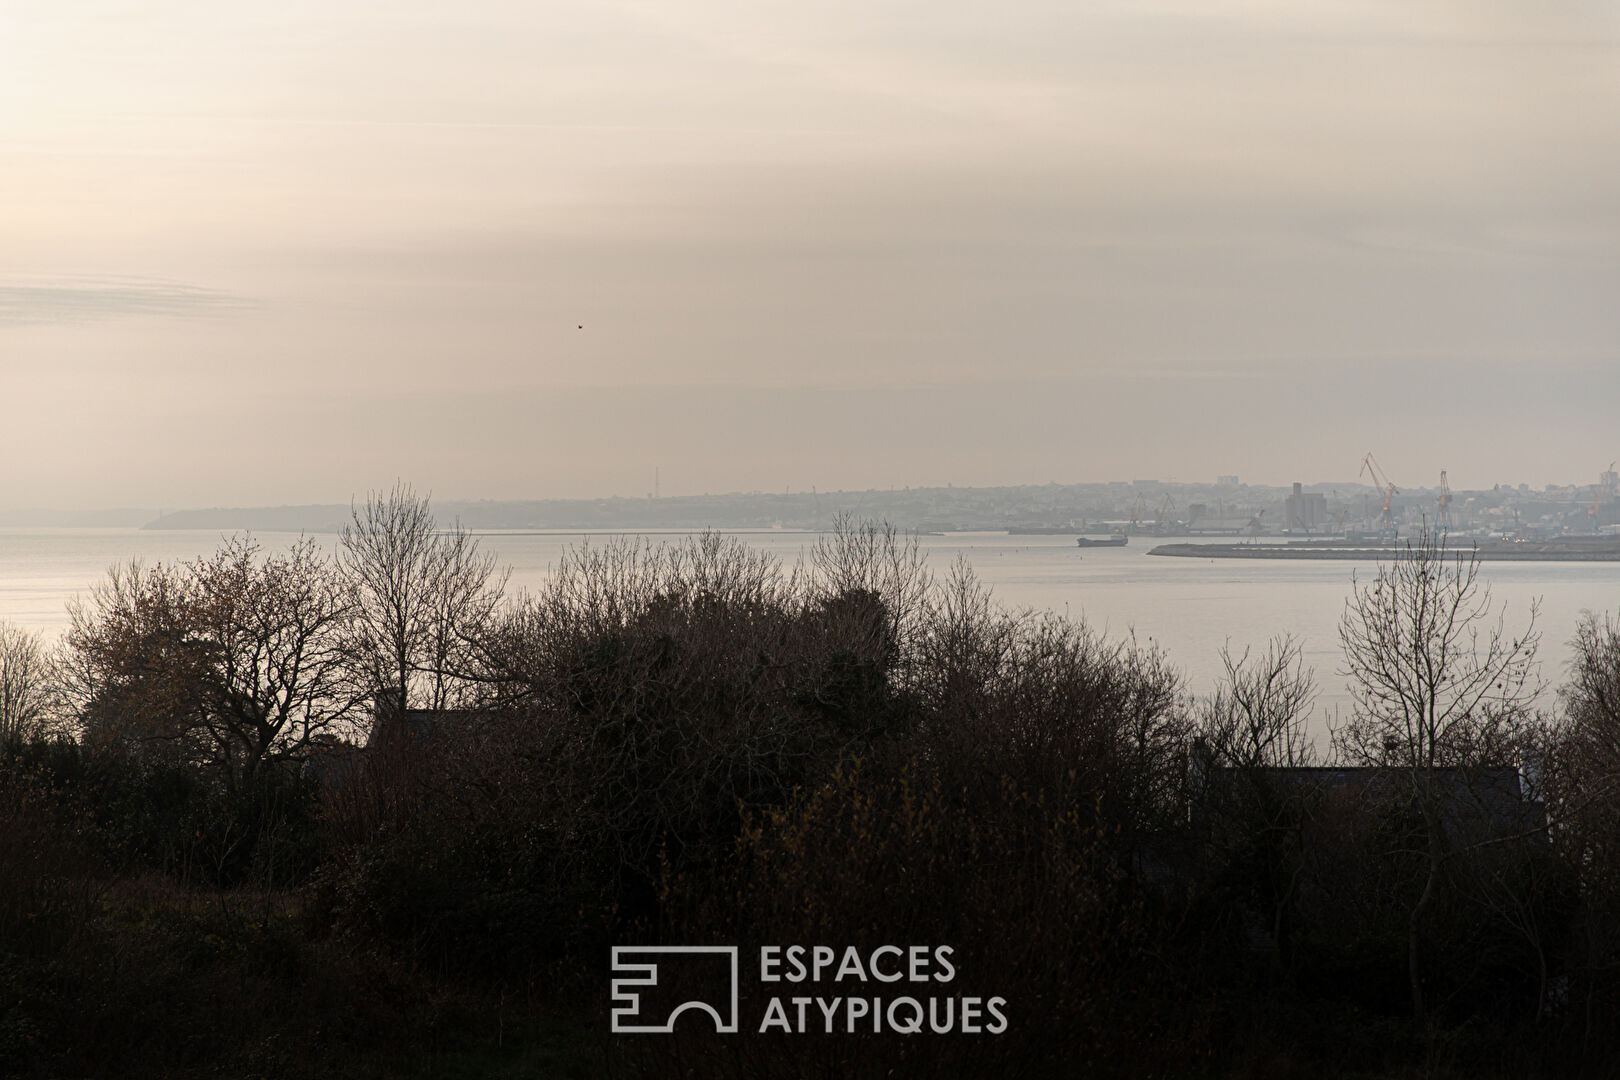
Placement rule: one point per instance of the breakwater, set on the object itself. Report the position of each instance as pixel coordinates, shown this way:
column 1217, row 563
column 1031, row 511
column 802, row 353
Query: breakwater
column 1605, row 550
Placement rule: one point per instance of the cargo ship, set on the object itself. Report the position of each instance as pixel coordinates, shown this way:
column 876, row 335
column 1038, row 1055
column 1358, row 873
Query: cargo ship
column 1117, row 540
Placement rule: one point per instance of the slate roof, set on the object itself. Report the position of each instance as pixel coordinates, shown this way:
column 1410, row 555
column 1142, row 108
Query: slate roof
column 1474, row 803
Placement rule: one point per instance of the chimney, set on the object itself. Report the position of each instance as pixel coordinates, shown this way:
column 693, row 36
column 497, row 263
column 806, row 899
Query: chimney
column 1199, row 760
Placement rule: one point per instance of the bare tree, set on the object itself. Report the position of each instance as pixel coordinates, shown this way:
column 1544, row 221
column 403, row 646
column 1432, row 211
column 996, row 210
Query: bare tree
column 24, row 675
column 1584, row 790
column 273, row 627
column 467, row 590
column 1438, row 683
column 229, row 660
column 1591, row 698
column 1095, row 724
column 1255, row 818
column 966, row 645
column 422, row 598
column 1259, row 713
column 882, row 564
column 1435, row 677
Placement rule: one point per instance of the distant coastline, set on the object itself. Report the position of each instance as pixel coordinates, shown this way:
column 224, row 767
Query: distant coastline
column 1027, row 508
column 1162, row 509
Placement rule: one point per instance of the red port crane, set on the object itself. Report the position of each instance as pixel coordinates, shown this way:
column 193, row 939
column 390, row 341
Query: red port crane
column 1386, row 523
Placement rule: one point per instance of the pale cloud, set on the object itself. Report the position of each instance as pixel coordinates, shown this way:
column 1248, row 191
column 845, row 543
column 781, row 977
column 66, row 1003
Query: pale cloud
column 75, row 301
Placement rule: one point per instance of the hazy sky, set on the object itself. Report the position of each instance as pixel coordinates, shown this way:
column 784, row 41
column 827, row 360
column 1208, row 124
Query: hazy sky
column 261, row 253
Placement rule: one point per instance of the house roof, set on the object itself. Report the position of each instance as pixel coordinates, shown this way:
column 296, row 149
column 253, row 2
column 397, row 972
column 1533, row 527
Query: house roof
column 419, row 723
column 1479, row 803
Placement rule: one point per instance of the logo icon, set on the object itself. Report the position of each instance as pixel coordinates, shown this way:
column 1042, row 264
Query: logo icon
column 635, row 980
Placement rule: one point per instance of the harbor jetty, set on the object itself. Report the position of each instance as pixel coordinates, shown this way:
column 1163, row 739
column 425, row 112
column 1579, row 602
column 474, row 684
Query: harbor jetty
column 1561, row 549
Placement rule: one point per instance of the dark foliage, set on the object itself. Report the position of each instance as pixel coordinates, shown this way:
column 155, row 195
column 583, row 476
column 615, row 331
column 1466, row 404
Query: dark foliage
column 692, row 744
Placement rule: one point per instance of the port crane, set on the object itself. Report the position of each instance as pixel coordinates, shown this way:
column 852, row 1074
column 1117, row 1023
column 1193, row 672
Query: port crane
column 1136, row 512
column 1159, row 518
column 1445, row 505
column 1386, row 522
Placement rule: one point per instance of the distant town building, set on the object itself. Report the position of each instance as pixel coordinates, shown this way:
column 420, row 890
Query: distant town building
column 1226, row 481
column 1304, row 511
